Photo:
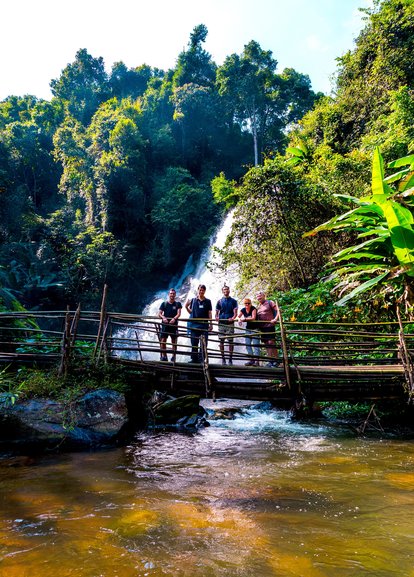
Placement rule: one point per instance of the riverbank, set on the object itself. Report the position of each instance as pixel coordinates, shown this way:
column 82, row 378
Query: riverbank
column 95, row 407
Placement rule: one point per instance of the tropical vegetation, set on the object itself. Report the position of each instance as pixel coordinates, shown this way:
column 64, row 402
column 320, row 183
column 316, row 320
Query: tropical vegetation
column 122, row 176
column 110, row 180
column 331, row 177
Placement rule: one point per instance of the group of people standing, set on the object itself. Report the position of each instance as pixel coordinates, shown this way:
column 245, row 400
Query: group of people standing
column 260, row 325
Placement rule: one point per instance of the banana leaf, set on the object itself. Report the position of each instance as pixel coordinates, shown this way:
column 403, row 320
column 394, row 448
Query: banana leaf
column 404, row 161
column 362, row 288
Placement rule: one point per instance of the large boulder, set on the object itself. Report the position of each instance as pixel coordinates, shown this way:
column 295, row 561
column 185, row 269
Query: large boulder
column 96, row 418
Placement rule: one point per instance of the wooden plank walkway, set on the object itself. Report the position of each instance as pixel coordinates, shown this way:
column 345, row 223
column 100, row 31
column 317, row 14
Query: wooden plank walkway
column 262, row 383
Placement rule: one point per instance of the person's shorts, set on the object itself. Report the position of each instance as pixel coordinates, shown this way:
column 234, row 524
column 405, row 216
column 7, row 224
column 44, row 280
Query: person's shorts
column 168, row 330
column 225, row 330
column 267, row 334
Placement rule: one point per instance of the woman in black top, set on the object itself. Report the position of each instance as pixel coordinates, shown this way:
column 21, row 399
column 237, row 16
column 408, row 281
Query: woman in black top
column 251, row 339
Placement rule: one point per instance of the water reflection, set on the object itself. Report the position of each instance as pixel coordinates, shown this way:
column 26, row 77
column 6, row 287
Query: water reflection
column 259, row 495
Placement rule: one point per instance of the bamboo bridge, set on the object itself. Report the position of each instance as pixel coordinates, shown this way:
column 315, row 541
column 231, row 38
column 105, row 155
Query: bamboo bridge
column 318, row 361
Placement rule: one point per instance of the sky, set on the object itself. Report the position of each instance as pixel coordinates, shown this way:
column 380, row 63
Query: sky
column 38, row 39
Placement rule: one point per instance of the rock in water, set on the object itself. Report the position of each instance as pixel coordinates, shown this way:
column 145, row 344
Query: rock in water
column 96, row 418
column 173, row 410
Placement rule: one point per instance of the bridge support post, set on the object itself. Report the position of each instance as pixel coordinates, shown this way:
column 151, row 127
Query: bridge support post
column 284, row 348
column 139, row 346
column 406, row 359
column 206, row 372
column 66, row 343
column 102, row 319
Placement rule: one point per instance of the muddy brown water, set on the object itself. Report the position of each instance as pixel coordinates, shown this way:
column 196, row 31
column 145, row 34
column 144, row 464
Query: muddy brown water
column 258, row 496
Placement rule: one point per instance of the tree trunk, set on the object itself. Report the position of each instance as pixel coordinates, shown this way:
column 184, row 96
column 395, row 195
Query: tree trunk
column 255, row 143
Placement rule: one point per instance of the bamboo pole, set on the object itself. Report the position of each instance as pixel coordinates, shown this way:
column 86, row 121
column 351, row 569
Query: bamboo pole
column 206, row 372
column 103, row 343
column 284, row 348
column 101, row 319
column 139, row 346
column 65, row 349
column 74, row 325
column 406, row 360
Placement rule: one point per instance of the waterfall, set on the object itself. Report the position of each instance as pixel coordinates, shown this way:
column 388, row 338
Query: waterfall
column 186, row 282
column 195, row 273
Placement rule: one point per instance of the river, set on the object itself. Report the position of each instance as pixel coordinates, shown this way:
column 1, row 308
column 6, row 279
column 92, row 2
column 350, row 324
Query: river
column 256, row 496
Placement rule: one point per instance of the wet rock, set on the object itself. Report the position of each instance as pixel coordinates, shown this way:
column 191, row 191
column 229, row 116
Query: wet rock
column 172, row 410
column 228, row 413
column 157, row 398
column 263, row 406
column 96, row 418
column 182, row 412
column 303, row 411
column 193, row 422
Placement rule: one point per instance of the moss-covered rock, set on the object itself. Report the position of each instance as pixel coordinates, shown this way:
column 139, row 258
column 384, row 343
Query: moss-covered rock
column 96, row 418
column 172, row 410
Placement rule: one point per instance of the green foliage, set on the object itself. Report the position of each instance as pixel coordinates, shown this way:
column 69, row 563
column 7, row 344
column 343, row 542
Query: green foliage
column 346, row 410
column 29, row 383
column 297, row 154
column 328, row 161
column 317, row 303
column 391, row 412
column 108, row 180
column 276, row 205
column 313, row 304
column 8, row 392
column 194, row 65
column 383, row 227
column 124, row 82
column 87, row 256
column 262, row 101
column 224, row 191
column 180, row 214
column 29, row 271
column 82, row 86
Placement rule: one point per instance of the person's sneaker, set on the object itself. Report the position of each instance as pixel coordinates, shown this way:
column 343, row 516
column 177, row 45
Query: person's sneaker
column 249, row 363
column 164, row 358
column 173, row 359
column 223, row 362
column 230, row 362
column 276, row 364
column 269, row 364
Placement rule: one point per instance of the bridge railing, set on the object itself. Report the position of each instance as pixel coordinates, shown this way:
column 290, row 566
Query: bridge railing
column 360, row 343
column 53, row 334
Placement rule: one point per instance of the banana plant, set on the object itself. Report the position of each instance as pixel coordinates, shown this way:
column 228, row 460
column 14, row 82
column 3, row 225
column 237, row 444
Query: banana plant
column 384, row 226
column 297, row 154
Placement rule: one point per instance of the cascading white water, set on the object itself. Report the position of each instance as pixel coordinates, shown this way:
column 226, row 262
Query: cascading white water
column 200, row 273
column 186, row 283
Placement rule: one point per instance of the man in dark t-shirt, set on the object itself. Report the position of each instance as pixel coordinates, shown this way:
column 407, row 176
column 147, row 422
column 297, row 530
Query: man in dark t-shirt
column 169, row 313
column 226, row 314
column 200, row 310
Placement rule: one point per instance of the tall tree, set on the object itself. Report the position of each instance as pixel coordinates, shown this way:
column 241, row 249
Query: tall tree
column 133, row 82
column 250, row 84
column 83, row 85
column 195, row 65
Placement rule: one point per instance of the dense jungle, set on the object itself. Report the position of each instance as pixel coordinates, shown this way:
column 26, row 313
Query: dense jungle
column 121, row 176
column 117, row 181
